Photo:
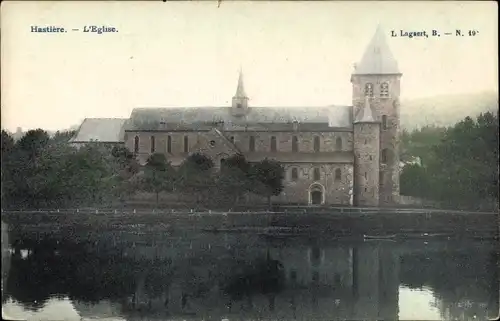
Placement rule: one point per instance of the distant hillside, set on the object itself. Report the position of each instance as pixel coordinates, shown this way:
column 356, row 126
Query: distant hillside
column 445, row 110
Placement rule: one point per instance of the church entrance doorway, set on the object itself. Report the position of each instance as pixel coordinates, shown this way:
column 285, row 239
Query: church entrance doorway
column 316, row 194
column 316, row 197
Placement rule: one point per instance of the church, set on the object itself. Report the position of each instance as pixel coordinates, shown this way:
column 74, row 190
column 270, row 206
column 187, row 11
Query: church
column 332, row 155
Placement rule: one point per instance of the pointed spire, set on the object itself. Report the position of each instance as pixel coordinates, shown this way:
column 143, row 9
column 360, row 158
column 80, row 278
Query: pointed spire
column 240, row 90
column 378, row 58
column 366, row 114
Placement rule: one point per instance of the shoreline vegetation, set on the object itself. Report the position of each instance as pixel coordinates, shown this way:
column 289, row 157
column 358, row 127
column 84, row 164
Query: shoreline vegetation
column 452, row 168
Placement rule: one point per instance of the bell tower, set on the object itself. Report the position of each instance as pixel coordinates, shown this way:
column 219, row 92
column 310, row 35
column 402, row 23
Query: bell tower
column 377, row 77
column 239, row 106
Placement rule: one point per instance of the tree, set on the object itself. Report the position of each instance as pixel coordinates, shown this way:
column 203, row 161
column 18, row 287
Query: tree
column 6, row 175
column 461, row 168
column 414, row 181
column 267, row 178
column 125, row 167
column 62, row 137
column 159, row 175
column 233, row 180
column 195, row 176
column 33, row 142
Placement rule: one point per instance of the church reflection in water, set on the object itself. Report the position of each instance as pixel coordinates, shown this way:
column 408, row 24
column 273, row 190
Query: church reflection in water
column 216, row 276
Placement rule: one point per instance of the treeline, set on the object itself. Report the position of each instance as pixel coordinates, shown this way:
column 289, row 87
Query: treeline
column 456, row 166
column 40, row 172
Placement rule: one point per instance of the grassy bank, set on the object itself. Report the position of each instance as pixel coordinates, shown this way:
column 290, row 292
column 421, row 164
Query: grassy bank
column 334, row 222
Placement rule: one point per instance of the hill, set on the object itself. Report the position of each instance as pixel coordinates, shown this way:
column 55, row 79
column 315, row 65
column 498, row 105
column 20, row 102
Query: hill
column 445, row 110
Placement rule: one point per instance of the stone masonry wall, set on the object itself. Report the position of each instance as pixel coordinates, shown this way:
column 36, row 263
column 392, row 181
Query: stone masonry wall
column 389, row 136
column 337, row 191
column 328, row 141
column 366, row 160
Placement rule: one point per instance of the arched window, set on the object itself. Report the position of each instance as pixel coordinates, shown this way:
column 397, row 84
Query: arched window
column 384, row 156
column 152, row 144
column 186, row 144
column 384, row 90
column 295, row 144
column 316, row 144
column 338, row 143
column 273, row 143
column 169, row 144
column 136, row 144
column 295, row 174
column 316, row 174
column 384, row 121
column 251, row 144
column 338, row 174
column 369, row 90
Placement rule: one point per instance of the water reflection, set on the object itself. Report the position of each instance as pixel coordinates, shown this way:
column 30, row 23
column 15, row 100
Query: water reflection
column 207, row 276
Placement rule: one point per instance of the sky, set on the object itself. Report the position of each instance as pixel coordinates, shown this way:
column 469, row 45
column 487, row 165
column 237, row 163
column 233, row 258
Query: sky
column 189, row 54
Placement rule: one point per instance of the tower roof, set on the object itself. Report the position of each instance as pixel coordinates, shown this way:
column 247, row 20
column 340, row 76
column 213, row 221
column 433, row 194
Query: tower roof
column 378, row 58
column 365, row 115
column 240, row 90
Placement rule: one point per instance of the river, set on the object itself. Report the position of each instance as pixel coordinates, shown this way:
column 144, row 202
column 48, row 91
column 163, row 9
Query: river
column 132, row 275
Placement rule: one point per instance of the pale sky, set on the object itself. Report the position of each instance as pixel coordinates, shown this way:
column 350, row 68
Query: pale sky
column 189, row 54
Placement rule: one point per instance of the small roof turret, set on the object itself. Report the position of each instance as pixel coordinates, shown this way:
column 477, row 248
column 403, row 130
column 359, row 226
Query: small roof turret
column 240, row 90
column 378, row 58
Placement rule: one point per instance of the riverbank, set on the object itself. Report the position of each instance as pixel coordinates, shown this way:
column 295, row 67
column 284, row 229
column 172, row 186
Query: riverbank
column 330, row 221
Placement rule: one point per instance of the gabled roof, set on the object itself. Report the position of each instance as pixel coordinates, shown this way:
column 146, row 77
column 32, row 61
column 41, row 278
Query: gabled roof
column 378, row 58
column 106, row 130
column 257, row 118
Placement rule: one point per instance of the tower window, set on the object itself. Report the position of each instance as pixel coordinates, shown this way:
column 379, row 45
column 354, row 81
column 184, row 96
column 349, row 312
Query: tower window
column 186, row 144
column 338, row 174
column 384, row 122
column 273, row 143
column 295, row 144
column 338, row 143
column 384, row 90
column 136, row 144
column 169, row 144
column 232, row 139
column 238, row 105
column 384, row 155
column 316, row 174
column 316, row 144
column 369, row 90
column 295, row 174
column 152, row 144
column 251, row 144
